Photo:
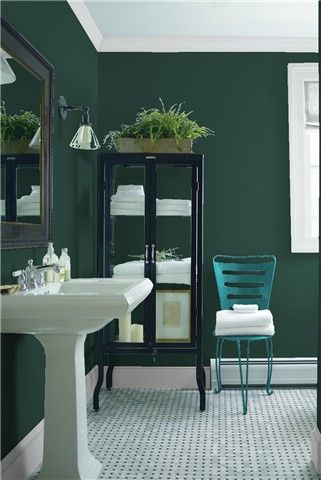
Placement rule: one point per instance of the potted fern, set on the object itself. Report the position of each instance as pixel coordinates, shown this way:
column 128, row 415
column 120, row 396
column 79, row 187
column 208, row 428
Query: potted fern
column 17, row 131
column 157, row 130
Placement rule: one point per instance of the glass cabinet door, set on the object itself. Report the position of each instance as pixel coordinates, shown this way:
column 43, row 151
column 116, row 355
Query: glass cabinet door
column 173, row 254
column 3, row 192
column 126, row 241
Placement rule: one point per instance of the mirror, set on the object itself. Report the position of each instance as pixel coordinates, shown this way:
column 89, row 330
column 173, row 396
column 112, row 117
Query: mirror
column 26, row 138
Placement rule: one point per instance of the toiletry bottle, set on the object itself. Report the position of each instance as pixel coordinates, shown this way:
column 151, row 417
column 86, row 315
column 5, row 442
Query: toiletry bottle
column 49, row 259
column 64, row 262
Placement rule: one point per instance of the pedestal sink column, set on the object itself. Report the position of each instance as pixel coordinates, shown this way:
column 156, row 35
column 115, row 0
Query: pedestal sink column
column 66, row 454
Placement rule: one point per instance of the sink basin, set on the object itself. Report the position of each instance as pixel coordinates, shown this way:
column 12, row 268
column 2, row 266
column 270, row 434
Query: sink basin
column 60, row 316
column 78, row 306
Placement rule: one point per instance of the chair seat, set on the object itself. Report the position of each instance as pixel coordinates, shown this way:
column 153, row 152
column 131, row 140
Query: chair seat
column 229, row 323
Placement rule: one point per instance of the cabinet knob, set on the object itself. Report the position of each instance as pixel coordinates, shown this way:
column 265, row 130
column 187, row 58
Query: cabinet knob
column 153, row 253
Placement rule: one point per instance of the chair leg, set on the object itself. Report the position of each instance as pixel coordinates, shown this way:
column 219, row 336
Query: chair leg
column 244, row 386
column 218, row 359
column 269, row 351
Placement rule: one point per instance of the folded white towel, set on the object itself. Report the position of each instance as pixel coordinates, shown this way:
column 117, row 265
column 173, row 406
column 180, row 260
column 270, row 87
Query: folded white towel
column 132, row 267
column 33, row 197
column 169, row 266
column 172, row 209
column 128, row 197
column 231, row 319
column 179, row 278
column 130, row 188
column 221, row 331
column 31, row 212
column 165, row 202
column 242, row 308
column 127, row 205
column 174, row 266
column 174, row 213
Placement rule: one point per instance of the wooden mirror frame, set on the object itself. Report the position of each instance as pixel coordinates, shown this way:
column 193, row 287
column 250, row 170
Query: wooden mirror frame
column 15, row 234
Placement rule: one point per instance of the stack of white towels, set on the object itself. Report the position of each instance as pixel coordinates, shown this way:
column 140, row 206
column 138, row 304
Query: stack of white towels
column 171, row 207
column 29, row 204
column 130, row 200
column 244, row 320
column 168, row 271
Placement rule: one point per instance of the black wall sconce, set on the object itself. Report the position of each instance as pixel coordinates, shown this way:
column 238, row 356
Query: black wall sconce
column 85, row 137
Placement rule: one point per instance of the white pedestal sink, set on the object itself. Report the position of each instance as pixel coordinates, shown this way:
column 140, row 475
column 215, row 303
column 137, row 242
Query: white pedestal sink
column 60, row 316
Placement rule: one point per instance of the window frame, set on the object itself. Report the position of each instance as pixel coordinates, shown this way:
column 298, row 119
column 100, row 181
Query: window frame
column 298, row 73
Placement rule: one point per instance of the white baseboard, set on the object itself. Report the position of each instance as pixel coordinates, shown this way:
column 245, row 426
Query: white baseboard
column 181, row 378
column 26, row 457
column 316, row 450
column 286, row 371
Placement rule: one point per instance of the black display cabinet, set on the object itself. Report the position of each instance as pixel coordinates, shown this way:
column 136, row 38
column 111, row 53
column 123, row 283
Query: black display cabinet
column 150, row 206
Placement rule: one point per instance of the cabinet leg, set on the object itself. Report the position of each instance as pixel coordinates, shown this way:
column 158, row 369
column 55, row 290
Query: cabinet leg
column 200, row 378
column 109, row 373
column 100, row 380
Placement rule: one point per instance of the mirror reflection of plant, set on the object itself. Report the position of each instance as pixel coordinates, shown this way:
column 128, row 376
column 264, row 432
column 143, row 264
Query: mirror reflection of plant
column 21, row 126
column 162, row 255
column 155, row 123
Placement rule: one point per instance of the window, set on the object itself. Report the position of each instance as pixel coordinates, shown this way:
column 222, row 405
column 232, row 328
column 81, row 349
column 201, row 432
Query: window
column 303, row 84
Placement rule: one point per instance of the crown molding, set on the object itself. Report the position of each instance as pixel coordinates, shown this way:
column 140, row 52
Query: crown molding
column 87, row 22
column 207, row 44
column 186, row 43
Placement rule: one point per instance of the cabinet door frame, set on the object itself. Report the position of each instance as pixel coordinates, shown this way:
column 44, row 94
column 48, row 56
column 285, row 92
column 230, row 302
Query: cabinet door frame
column 104, row 233
column 106, row 175
column 194, row 162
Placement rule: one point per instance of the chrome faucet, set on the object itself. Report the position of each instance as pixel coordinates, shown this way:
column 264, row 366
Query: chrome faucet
column 32, row 277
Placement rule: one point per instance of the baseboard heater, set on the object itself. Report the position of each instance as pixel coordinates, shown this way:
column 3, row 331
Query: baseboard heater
column 287, row 372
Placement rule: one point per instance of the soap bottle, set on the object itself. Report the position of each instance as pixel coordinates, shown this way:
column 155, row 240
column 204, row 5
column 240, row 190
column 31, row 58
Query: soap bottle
column 49, row 259
column 65, row 264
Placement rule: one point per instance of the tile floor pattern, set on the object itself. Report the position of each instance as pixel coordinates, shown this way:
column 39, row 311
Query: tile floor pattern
column 161, row 435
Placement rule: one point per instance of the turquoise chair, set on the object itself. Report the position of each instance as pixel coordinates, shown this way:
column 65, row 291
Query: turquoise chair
column 244, row 280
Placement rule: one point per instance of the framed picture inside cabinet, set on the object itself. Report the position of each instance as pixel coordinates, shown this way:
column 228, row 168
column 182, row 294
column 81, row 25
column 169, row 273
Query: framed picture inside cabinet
column 173, row 316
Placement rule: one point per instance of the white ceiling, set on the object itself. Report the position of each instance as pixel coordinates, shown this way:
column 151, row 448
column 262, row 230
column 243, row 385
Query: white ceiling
column 199, row 25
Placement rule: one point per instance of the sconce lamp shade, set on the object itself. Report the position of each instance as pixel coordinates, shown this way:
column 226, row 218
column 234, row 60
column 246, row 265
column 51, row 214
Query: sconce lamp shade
column 35, row 141
column 85, row 139
column 6, row 73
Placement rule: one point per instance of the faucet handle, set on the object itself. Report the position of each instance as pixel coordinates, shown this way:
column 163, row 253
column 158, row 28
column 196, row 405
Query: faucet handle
column 22, row 278
column 17, row 273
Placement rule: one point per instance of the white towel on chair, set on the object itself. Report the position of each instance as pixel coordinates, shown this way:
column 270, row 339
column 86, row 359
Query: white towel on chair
column 242, row 308
column 220, row 332
column 244, row 323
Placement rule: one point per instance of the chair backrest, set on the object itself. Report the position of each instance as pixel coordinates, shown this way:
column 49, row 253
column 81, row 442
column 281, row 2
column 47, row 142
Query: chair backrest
column 245, row 280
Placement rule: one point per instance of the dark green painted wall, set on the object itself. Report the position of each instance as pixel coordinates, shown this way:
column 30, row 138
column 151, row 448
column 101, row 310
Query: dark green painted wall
column 243, row 97
column 53, row 29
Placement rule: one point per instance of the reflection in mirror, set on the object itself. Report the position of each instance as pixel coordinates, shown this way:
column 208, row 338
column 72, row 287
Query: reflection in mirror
column 20, row 144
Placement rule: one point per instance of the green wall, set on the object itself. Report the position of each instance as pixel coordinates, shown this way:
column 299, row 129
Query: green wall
column 54, row 30
column 243, row 97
